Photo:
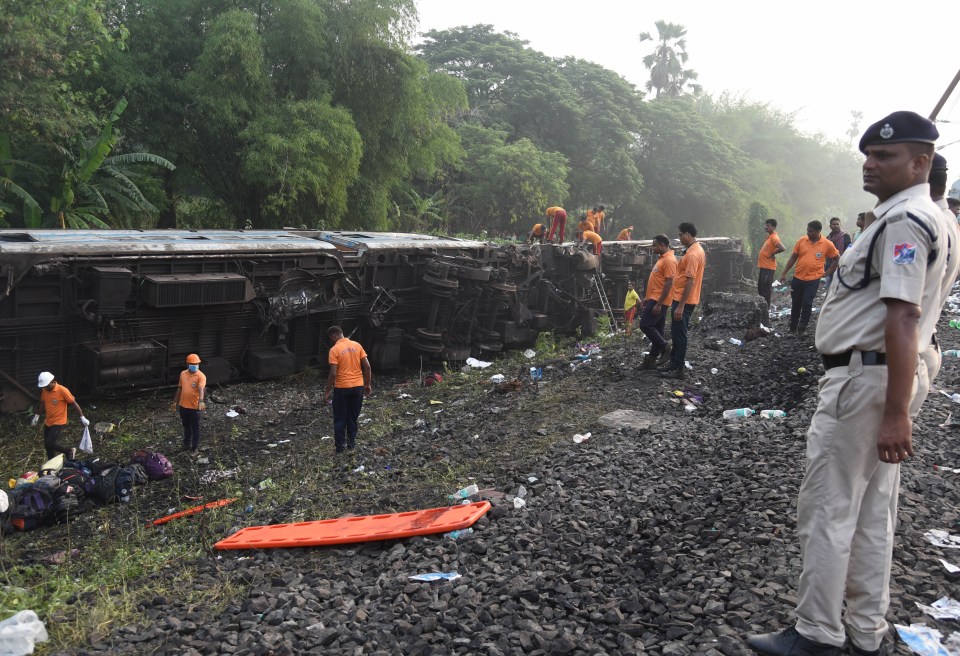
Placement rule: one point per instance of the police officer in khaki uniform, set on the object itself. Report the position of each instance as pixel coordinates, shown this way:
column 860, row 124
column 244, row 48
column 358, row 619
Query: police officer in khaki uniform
column 872, row 328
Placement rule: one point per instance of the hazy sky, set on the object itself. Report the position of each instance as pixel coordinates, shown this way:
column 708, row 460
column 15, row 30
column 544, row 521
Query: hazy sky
column 817, row 59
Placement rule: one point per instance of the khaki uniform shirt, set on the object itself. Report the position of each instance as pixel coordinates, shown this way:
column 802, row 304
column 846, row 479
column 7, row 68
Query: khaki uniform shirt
column 952, row 230
column 906, row 263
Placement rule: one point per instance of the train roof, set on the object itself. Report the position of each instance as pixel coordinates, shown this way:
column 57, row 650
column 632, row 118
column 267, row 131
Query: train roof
column 65, row 243
column 359, row 239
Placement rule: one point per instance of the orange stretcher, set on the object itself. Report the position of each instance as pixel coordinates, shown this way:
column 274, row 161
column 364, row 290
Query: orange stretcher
column 348, row 530
column 191, row 511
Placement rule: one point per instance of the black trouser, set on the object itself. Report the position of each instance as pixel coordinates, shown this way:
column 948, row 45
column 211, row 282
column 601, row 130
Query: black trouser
column 765, row 285
column 678, row 333
column 51, row 435
column 802, row 293
column 652, row 326
column 347, row 403
column 191, row 428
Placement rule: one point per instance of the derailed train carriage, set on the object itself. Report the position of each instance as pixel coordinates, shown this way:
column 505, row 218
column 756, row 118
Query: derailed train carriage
column 116, row 310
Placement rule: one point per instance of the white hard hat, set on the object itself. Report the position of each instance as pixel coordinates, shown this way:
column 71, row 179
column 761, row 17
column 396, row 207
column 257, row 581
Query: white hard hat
column 44, row 379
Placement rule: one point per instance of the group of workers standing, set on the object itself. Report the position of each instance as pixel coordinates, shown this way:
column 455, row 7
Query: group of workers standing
column 349, row 380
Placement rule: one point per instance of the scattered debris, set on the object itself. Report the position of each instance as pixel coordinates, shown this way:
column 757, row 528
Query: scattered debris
column 943, row 608
column 926, row 641
column 215, row 475
column 478, row 364
column 19, row 633
column 578, row 438
column 940, row 538
column 436, row 576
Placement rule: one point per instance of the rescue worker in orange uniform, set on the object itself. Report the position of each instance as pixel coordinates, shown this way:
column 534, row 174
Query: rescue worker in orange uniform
column 558, row 221
column 350, row 378
column 626, row 234
column 54, row 400
column 538, row 233
column 188, row 401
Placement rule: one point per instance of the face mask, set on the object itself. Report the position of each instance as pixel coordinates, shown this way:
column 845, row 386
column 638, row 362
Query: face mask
column 193, row 368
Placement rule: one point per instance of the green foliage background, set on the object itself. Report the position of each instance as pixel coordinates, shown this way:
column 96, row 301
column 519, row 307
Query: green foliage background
column 324, row 114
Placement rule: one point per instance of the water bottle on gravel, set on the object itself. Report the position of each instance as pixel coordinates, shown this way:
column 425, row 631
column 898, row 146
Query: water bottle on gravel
column 739, row 412
column 772, row 414
column 453, row 535
column 468, row 491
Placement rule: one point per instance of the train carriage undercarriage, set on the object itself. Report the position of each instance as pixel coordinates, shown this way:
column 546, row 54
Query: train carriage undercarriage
column 109, row 311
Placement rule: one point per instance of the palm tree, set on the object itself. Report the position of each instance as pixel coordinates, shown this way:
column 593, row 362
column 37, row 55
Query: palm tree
column 419, row 212
column 666, row 63
column 90, row 187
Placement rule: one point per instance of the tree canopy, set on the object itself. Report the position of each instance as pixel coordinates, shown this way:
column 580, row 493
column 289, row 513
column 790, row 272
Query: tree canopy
column 322, row 113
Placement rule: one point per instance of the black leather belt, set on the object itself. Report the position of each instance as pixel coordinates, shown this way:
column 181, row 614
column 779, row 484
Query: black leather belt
column 843, row 359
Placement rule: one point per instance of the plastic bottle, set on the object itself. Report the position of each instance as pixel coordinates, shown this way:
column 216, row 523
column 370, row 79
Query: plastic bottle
column 735, row 341
column 739, row 412
column 772, row 414
column 468, row 491
column 453, row 535
column 952, row 353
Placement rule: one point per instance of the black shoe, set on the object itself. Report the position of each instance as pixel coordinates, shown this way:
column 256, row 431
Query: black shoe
column 792, row 331
column 649, row 362
column 677, row 373
column 669, row 366
column 857, row 651
column 665, row 356
column 801, row 331
column 789, row 643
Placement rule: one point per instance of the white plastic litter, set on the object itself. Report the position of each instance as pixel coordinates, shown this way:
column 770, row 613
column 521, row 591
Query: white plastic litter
column 925, row 641
column 4, row 502
column 943, row 608
column 519, row 501
column 86, row 443
column 687, row 364
column 496, row 379
column 714, row 370
column 232, row 413
column 478, row 364
column 436, row 576
column 529, row 353
column 578, row 438
column 19, row 633
column 952, row 569
column 940, row 538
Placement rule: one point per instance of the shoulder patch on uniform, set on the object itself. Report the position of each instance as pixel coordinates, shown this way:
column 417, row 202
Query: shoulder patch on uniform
column 893, row 218
column 904, row 253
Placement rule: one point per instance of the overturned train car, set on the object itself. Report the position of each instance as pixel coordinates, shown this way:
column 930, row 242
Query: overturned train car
column 114, row 310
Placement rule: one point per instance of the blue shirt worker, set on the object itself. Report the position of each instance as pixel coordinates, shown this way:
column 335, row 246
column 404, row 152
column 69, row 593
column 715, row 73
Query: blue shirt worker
column 871, row 333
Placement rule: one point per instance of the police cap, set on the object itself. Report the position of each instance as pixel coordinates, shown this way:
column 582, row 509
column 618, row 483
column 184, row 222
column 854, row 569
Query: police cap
column 939, row 162
column 899, row 127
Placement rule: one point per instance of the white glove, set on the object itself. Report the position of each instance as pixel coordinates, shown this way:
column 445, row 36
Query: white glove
column 84, row 421
column 36, row 418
